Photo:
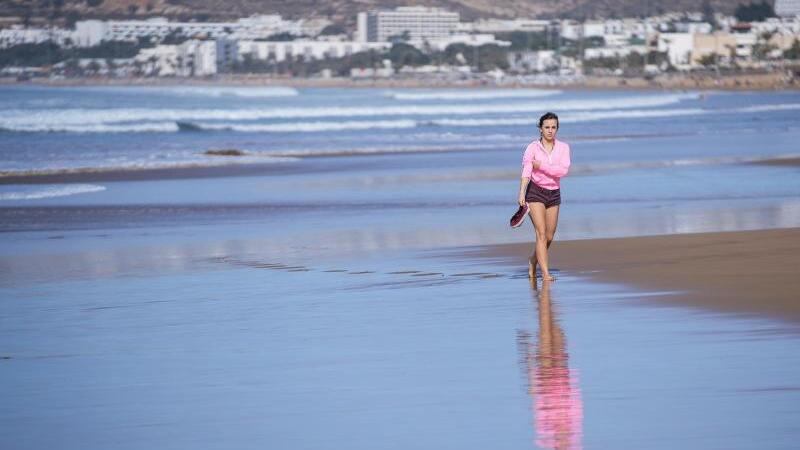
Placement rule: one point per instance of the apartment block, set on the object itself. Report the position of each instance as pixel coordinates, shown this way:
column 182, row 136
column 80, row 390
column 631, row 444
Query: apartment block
column 415, row 22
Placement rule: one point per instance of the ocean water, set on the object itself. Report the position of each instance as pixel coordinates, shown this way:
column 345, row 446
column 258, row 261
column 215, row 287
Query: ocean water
column 311, row 291
column 643, row 162
column 49, row 129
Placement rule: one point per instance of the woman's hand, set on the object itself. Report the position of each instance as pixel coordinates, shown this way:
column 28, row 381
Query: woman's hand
column 521, row 199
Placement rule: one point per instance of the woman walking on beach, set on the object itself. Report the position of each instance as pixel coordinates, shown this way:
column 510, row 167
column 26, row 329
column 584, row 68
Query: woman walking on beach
column 545, row 162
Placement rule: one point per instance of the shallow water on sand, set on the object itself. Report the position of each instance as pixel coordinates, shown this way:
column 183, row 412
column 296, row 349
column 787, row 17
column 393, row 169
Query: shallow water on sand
column 327, row 302
column 404, row 350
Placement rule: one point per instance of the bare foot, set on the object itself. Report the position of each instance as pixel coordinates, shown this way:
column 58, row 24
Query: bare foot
column 548, row 277
column 531, row 269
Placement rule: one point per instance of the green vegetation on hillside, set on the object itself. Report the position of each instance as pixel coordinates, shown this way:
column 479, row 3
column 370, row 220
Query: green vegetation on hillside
column 754, row 12
column 48, row 53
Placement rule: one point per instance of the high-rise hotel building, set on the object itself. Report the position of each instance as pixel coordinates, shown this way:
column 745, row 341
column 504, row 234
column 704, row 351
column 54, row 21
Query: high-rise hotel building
column 787, row 8
column 418, row 22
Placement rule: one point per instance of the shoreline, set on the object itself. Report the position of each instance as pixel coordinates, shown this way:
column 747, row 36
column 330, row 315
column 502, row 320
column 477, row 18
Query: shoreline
column 743, row 82
column 780, row 162
column 148, row 174
column 229, row 169
column 753, row 273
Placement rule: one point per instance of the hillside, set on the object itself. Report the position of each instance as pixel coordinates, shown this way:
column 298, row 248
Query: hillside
column 342, row 11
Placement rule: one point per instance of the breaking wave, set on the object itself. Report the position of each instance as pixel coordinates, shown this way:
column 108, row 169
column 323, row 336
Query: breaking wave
column 197, row 163
column 244, row 92
column 51, row 191
column 85, row 118
column 473, row 94
column 301, row 126
column 344, row 118
column 581, row 116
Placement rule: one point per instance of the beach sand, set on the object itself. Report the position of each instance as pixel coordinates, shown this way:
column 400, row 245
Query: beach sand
column 747, row 272
column 790, row 162
column 775, row 80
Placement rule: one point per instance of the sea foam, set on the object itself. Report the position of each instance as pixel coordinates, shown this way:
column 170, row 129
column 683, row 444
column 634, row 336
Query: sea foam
column 293, row 120
column 245, row 92
column 193, row 162
column 40, row 192
column 68, row 119
column 310, row 126
column 478, row 94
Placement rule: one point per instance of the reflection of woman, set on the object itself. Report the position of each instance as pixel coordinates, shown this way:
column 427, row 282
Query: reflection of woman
column 545, row 161
column 553, row 388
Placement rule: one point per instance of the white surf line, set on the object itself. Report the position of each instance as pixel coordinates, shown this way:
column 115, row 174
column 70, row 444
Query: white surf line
column 476, row 94
column 51, row 192
column 13, row 119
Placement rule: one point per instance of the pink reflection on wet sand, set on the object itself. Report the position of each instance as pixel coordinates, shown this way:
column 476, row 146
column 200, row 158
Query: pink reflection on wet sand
column 553, row 387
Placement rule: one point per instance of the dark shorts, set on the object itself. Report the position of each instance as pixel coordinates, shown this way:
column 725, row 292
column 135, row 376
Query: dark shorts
column 537, row 194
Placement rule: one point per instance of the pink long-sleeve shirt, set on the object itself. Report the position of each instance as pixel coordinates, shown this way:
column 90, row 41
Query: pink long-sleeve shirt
column 553, row 166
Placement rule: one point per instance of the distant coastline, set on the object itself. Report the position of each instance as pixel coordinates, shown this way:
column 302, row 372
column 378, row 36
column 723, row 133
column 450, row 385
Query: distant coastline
column 690, row 81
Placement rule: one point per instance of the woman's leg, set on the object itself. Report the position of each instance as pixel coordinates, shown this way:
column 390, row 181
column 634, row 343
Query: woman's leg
column 532, row 259
column 538, row 217
column 551, row 223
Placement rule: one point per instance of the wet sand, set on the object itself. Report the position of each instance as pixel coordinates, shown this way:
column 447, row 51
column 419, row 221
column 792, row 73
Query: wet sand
column 788, row 162
column 172, row 173
column 733, row 82
column 748, row 272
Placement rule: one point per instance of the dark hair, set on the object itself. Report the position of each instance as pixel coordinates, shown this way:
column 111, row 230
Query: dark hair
column 546, row 116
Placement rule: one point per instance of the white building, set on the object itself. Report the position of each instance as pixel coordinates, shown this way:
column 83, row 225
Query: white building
column 504, row 26
column 694, row 27
column 361, row 27
column 191, row 58
column 419, row 23
column 161, row 60
column 573, row 30
column 533, row 61
column 91, row 32
column 784, row 26
column 787, row 8
column 614, row 52
column 17, row 35
column 744, row 44
column 473, row 40
column 593, row 29
column 280, row 51
column 678, row 47
column 386, row 70
column 570, row 29
column 197, row 58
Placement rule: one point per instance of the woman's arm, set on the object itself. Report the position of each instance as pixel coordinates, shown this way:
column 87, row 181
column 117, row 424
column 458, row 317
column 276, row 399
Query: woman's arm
column 529, row 164
column 523, row 188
